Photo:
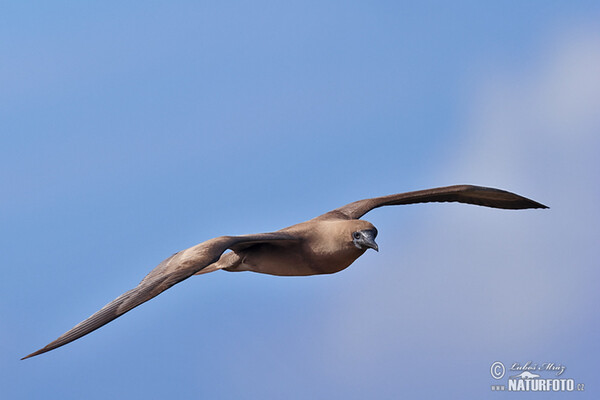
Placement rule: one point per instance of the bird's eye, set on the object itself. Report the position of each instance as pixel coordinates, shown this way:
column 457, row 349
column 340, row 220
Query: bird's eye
column 356, row 235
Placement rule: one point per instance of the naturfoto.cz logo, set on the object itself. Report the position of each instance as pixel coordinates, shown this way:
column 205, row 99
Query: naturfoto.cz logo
column 528, row 378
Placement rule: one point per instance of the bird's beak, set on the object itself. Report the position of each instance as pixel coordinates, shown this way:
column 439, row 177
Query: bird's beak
column 368, row 240
column 372, row 245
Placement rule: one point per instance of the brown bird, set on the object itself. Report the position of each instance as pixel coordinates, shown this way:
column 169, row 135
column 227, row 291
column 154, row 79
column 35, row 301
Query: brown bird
column 323, row 245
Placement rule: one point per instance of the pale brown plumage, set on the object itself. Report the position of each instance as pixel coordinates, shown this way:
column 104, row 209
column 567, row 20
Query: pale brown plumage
column 323, row 245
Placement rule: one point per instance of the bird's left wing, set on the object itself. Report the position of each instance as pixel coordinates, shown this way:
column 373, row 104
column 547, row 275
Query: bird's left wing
column 469, row 194
column 171, row 271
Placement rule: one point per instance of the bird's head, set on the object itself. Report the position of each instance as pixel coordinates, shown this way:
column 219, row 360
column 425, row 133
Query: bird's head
column 364, row 237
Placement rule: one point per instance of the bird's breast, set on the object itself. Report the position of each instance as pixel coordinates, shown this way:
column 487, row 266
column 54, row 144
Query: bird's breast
column 297, row 260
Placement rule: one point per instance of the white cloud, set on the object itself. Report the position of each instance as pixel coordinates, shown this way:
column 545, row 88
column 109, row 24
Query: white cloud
column 497, row 281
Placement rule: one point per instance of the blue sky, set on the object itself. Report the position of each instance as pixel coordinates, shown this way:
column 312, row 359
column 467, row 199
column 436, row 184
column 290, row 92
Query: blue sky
column 132, row 130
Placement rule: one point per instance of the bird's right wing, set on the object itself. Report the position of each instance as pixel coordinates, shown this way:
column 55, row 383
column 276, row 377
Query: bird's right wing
column 478, row 195
column 171, row 271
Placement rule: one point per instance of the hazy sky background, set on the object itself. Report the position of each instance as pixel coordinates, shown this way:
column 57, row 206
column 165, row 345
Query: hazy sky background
column 132, row 130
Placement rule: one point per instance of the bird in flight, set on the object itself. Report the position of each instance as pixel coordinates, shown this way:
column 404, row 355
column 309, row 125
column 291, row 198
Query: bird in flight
column 323, row 245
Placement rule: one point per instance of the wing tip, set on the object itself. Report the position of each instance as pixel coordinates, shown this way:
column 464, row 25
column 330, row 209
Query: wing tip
column 511, row 200
column 535, row 204
column 529, row 205
column 35, row 353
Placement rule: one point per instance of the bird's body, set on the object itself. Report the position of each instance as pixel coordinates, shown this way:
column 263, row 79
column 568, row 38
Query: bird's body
column 317, row 252
column 326, row 244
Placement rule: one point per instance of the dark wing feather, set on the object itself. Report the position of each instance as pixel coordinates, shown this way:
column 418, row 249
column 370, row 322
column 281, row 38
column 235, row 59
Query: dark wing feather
column 482, row 196
column 171, row 271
